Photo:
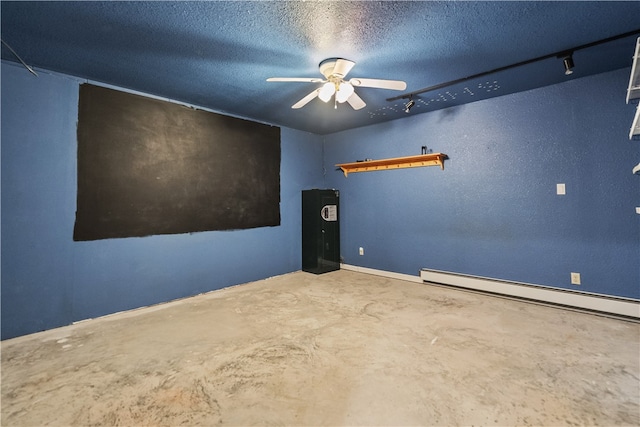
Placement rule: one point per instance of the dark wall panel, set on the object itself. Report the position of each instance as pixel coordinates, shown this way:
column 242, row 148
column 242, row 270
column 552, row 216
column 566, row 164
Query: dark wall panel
column 147, row 166
column 48, row 280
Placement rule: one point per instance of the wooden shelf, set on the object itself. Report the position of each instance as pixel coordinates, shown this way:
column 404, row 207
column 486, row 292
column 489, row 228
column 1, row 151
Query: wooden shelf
column 432, row 159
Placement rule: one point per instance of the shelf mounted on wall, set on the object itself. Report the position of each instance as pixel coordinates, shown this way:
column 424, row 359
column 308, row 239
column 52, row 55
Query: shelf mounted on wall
column 633, row 91
column 432, row 159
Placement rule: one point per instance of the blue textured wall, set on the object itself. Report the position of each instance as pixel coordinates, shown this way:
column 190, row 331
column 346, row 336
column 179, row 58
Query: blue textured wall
column 48, row 280
column 494, row 211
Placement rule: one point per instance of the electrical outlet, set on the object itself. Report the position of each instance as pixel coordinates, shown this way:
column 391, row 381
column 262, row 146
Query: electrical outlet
column 561, row 189
column 361, row 251
column 575, row 278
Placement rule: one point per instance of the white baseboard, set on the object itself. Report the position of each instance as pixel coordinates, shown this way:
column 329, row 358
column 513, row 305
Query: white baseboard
column 389, row 274
column 619, row 306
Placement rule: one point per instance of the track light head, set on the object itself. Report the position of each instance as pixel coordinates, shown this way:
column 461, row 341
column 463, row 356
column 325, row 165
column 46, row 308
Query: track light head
column 409, row 105
column 568, row 64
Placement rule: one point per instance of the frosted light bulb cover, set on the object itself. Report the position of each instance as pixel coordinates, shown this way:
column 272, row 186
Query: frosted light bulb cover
column 327, row 91
column 344, row 92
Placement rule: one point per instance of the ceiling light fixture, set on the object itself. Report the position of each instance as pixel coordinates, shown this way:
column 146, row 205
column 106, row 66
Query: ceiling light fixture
column 345, row 90
column 568, row 64
column 409, row 105
column 342, row 91
column 327, row 91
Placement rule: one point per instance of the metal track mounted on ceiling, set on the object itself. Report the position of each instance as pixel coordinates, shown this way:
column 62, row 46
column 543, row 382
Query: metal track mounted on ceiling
column 561, row 54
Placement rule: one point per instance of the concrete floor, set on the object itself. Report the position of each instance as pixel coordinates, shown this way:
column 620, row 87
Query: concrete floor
column 342, row 348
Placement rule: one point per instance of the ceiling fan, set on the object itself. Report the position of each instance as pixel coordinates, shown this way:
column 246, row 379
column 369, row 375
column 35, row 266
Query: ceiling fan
column 334, row 85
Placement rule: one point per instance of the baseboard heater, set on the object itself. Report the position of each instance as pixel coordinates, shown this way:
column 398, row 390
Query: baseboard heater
column 625, row 308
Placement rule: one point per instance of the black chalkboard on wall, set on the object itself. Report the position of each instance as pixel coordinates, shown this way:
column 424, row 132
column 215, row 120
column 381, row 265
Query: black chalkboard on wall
column 147, row 166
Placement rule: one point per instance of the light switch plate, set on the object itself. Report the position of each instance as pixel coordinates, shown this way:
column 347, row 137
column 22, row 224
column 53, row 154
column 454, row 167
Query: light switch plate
column 561, row 189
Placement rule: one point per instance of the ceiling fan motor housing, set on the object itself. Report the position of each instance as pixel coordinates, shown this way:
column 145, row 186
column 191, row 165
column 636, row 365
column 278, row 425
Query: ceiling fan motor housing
column 328, row 68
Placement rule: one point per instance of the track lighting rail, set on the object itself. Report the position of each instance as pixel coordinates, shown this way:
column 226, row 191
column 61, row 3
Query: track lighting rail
column 561, row 55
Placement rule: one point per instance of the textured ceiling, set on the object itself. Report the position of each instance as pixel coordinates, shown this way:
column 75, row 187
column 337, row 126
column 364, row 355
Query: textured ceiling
column 219, row 54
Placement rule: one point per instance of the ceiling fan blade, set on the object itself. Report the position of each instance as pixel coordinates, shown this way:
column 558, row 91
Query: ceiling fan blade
column 295, row 79
column 379, row 83
column 342, row 67
column 304, row 101
column 355, row 101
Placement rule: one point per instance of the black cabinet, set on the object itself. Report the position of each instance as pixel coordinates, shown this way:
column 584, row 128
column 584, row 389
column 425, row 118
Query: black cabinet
column 320, row 231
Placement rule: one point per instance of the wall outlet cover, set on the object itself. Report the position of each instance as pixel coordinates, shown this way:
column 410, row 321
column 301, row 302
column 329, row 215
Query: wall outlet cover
column 575, row 278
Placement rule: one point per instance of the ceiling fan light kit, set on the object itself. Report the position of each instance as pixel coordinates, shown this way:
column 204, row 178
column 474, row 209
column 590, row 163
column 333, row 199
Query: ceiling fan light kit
column 345, row 90
column 327, row 91
column 335, row 70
